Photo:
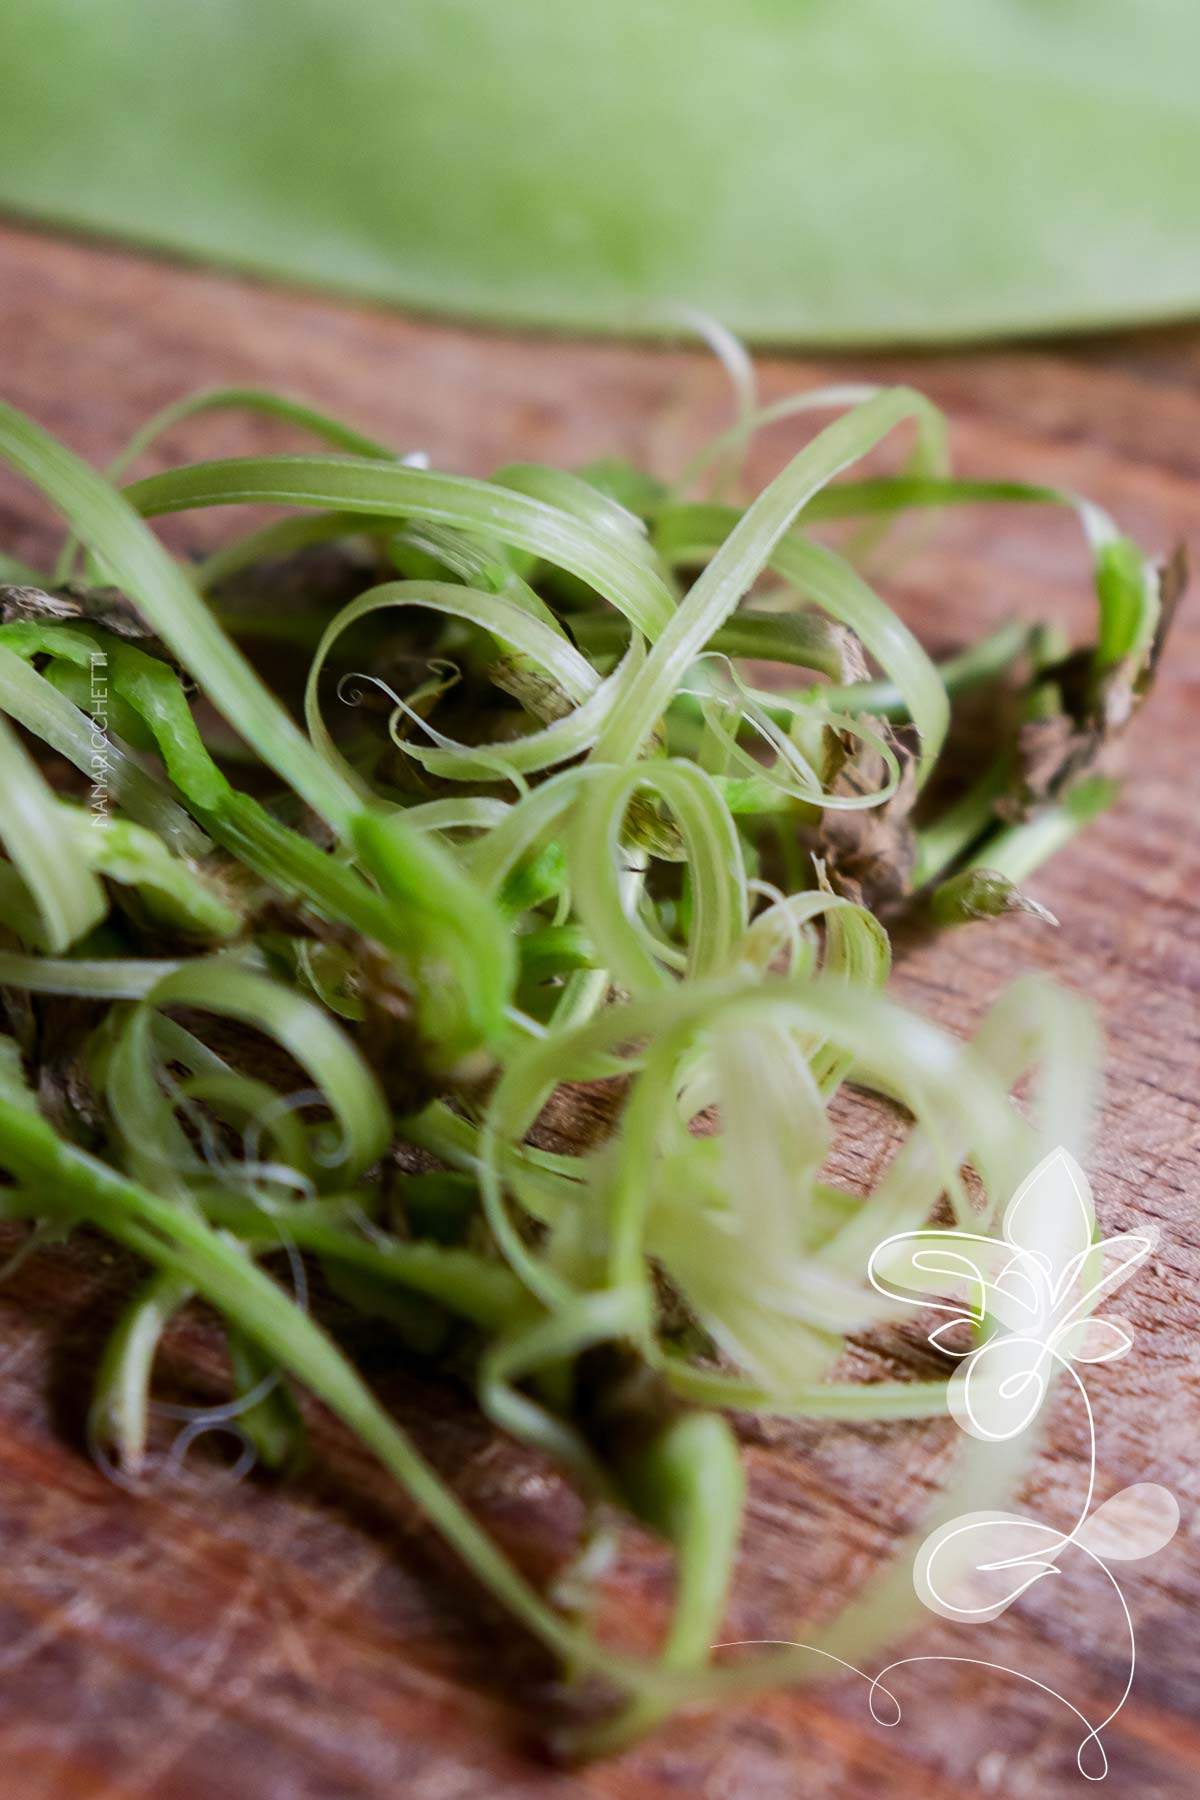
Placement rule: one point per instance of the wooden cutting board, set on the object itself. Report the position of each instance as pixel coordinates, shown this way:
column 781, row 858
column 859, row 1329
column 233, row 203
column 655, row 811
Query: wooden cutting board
column 314, row 1642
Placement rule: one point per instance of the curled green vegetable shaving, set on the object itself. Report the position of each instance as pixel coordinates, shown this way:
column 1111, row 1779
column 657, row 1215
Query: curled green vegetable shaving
column 596, row 785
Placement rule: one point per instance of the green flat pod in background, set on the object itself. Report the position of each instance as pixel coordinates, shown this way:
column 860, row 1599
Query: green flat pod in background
column 822, row 171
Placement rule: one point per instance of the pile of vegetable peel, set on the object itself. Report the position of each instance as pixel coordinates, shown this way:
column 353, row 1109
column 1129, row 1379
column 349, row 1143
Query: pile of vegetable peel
column 588, row 778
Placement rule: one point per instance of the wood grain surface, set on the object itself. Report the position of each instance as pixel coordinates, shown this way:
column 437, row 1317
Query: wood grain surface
column 313, row 1641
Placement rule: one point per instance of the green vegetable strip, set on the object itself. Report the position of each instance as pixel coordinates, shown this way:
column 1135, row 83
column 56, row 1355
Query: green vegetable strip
column 538, row 750
column 582, row 499
column 714, row 854
column 742, row 557
column 30, row 699
column 1126, row 588
column 429, row 914
column 179, row 897
column 253, row 400
column 552, row 1340
column 302, row 1028
column 115, row 979
column 120, row 1402
column 930, row 457
column 69, row 898
column 551, row 652
column 483, row 1292
column 829, row 580
column 146, row 684
column 973, row 667
column 1021, row 849
column 940, row 843
column 138, row 563
column 370, row 488
column 771, row 637
column 451, row 924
